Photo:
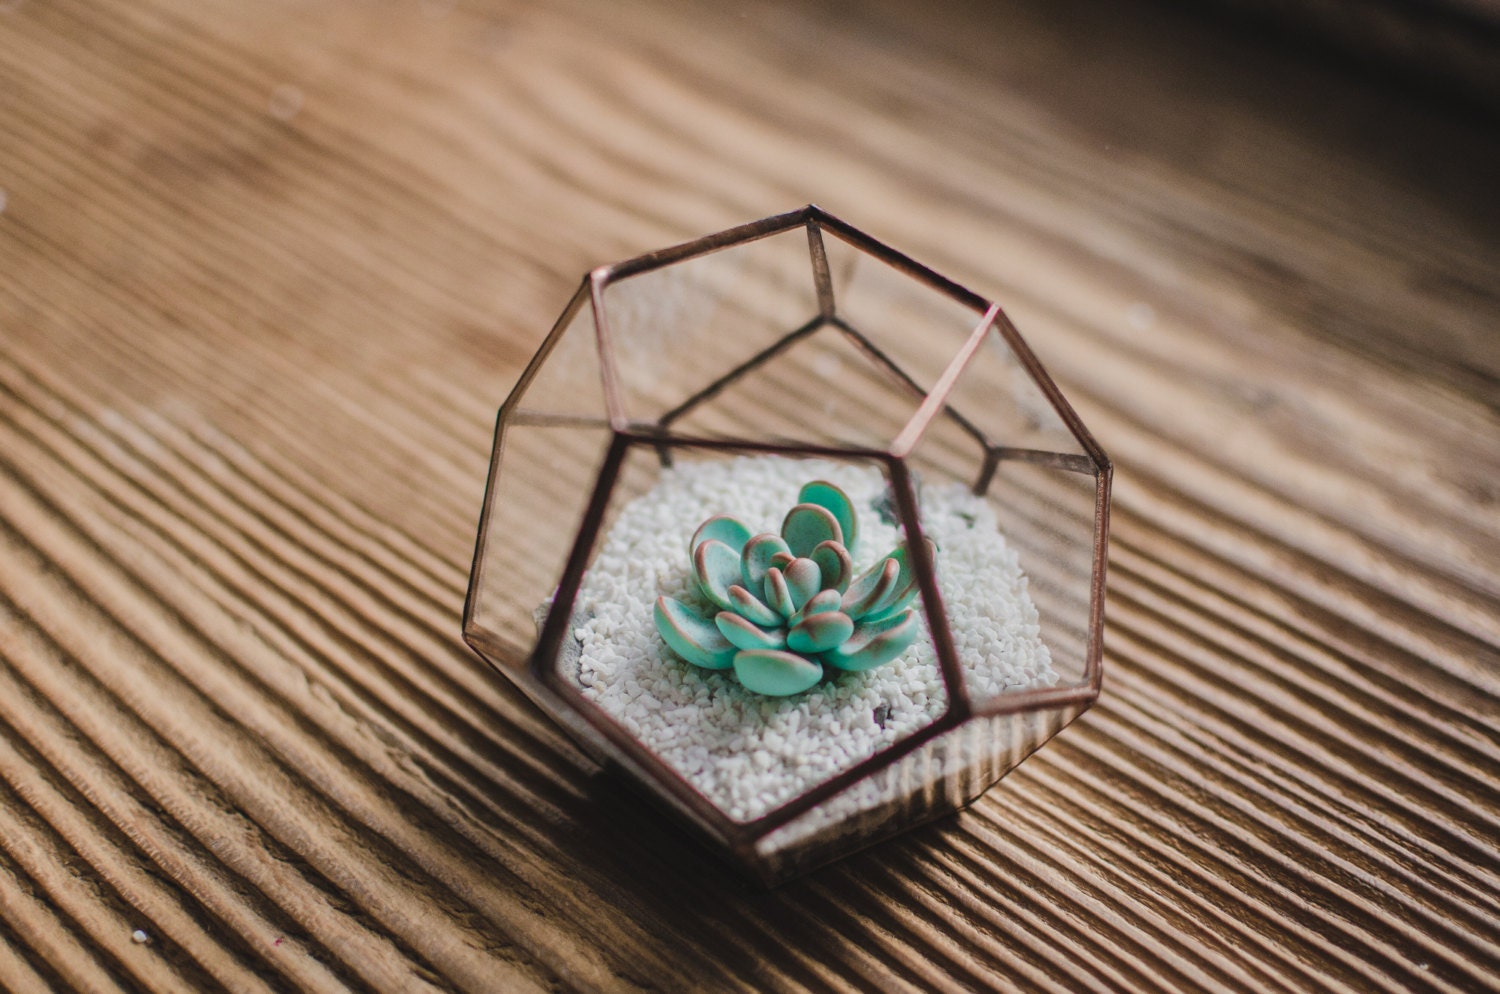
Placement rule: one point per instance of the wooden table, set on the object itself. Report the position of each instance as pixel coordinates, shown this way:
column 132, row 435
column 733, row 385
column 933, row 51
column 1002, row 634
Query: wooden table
column 267, row 270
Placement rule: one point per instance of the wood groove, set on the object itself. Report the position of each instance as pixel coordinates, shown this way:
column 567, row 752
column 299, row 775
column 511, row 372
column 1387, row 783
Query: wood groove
column 51, row 936
column 933, row 967
column 448, row 877
column 1346, row 892
column 165, row 531
column 1371, row 729
column 1313, row 641
column 1413, row 774
column 1448, row 579
column 1329, row 945
column 1054, row 930
column 1367, row 603
column 1256, row 975
column 63, row 881
column 321, row 785
column 124, row 899
column 466, row 531
column 1344, row 708
column 233, row 901
column 1422, row 588
column 1378, row 654
column 1240, row 749
column 303, row 645
column 1093, row 801
column 169, row 780
column 122, row 705
column 19, row 971
column 230, row 494
column 1035, row 966
column 1347, row 874
column 1151, row 917
column 913, row 890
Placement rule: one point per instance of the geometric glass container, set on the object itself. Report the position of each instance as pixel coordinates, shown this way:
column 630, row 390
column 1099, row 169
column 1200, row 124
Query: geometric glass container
column 717, row 377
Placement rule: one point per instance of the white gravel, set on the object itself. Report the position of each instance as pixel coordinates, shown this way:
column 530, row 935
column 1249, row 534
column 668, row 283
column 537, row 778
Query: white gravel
column 747, row 753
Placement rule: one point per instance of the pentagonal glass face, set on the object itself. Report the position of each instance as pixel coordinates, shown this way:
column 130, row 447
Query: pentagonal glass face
column 1020, row 620
column 564, row 382
column 820, row 387
column 997, row 396
column 679, row 329
column 908, row 323
column 731, row 345
column 752, row 690
column 544, row 474
column 1050, row 515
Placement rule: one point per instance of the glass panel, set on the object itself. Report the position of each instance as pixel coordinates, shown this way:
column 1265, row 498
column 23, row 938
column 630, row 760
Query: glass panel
column 996, row 395
column 914, row 326
column 678, row 329
column 1048, row 516
column 543, row 481
column 821, row 389
column 568, row 385
column 746, row 753
column 939, row 776
column 1013, row 563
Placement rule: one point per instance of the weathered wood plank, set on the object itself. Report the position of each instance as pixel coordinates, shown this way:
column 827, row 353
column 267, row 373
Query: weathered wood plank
column 269, row 271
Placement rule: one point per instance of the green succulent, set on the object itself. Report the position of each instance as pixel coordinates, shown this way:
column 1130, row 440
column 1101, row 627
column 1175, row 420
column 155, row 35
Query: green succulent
column 788, row 606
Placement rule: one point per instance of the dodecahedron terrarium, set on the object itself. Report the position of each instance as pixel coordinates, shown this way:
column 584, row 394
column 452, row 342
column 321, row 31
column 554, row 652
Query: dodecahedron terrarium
column 795, row 533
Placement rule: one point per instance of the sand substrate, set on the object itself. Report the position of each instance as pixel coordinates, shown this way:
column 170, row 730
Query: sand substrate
column 749, row 754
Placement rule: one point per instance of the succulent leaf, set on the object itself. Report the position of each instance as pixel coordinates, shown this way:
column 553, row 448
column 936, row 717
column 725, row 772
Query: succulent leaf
column 750, row 607
column 695, row 639
column 808, row 525
column 873, row 644
column 755, row 559
column 837, row 503
column 869, row 590
column 778, row 596
column 722, row 528
column 717, row 568
column 907, row 587
column 834, row 563
column 819, row 632
column 897, row 601
column 776, row 674
column 803, row 580
column 788, row 607
column 743, row 635
column 823, row 600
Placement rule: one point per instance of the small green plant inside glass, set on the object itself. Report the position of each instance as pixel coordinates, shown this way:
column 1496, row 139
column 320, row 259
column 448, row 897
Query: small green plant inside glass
column 789, row 609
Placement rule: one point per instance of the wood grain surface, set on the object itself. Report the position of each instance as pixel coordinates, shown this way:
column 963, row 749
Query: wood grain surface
column 267, row 271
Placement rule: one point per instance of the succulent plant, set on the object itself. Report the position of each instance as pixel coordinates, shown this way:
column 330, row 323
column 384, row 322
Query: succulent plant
column 787, row 607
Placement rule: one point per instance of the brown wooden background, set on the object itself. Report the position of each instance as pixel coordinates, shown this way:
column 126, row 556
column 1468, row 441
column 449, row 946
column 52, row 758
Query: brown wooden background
column 268, row 269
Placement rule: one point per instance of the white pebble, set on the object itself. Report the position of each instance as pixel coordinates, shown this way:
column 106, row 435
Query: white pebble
column 749, row 754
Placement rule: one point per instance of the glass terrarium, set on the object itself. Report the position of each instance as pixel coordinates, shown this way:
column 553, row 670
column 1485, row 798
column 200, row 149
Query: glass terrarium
column 797, row 535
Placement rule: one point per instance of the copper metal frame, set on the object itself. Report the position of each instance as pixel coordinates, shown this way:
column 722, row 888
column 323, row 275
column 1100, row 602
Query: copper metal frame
column 741, row 837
